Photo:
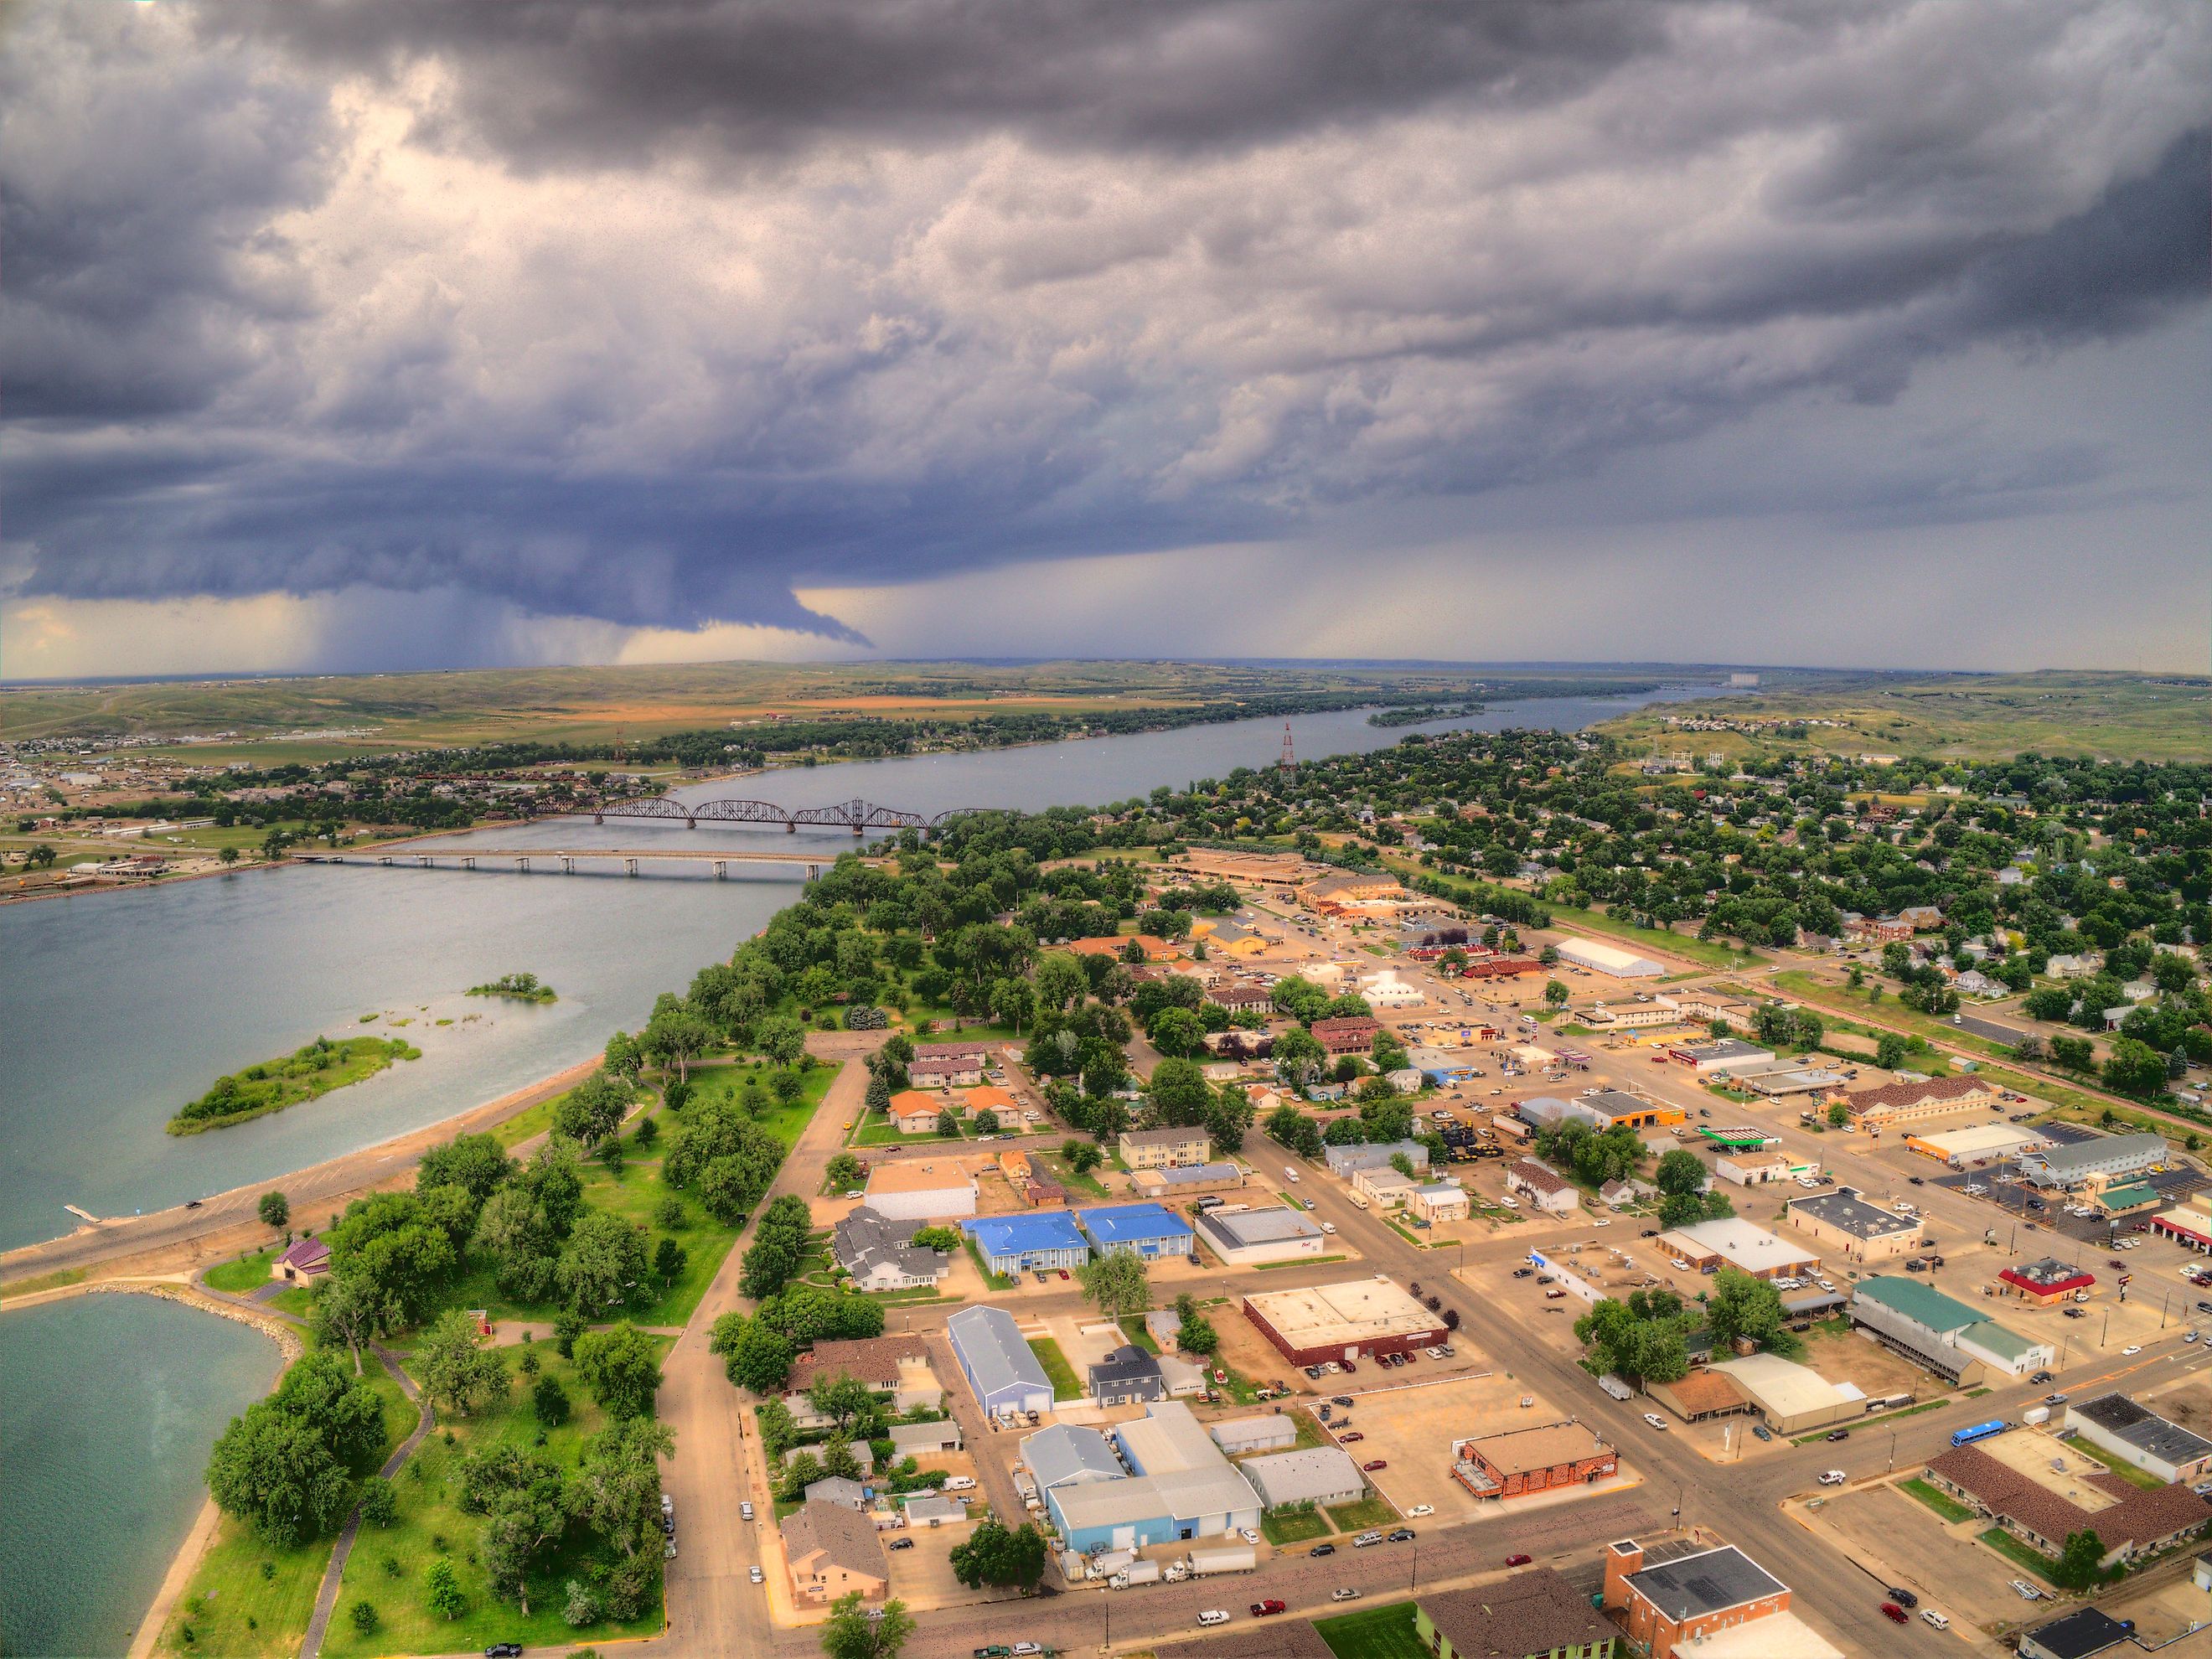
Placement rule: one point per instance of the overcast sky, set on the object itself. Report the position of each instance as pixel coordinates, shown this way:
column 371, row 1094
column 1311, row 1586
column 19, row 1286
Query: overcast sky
column 407, row 333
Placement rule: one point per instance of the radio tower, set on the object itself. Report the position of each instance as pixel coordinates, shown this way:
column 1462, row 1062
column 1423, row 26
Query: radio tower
column 1290, row 761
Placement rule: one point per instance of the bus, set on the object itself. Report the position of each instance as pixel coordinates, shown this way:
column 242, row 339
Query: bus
column 1980, row 1431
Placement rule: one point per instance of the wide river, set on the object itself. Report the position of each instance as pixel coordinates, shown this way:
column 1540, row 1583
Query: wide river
column 121, row 1005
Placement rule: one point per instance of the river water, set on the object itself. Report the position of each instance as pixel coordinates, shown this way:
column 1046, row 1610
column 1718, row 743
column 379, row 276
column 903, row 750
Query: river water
column 122, row 1005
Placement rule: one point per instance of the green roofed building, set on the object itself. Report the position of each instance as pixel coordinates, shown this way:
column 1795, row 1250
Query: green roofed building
column 2120, row 1201
column 1942, row 1333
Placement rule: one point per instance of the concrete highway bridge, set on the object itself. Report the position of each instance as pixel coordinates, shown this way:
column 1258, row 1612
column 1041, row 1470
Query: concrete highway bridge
column 522, row 860
column 858, row 816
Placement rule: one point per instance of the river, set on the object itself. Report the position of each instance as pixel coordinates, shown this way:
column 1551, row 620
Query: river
column 121, row 1005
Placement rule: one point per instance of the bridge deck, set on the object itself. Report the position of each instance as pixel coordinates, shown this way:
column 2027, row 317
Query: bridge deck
column 409, row 854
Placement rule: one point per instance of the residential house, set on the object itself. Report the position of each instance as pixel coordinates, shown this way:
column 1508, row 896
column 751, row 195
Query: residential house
column 833, row 1552
column 302, row 1263
column 913, row 1113
column 895, row 1369
column 1543, row 1187
column 878, row 1253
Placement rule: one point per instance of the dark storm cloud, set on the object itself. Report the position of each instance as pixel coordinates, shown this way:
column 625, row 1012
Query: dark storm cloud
column 648, row 314
column 567, row 82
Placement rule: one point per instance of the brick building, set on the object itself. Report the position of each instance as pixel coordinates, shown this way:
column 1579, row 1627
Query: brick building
column 1673, row 1596
column 1533, row 1460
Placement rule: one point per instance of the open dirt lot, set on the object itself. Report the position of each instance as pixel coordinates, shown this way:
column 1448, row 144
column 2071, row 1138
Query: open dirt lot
column 1246, row 1352
column 1848, row 1357
column 1902, row 1541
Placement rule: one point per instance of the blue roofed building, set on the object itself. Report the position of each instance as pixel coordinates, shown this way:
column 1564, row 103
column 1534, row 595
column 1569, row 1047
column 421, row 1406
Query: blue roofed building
column 1017, row 1243
column 1006, row 1377
column 1146, row 1228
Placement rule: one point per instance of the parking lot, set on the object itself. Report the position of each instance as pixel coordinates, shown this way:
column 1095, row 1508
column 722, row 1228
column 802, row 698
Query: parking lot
column 1412, row 1428
column 1905, row 1542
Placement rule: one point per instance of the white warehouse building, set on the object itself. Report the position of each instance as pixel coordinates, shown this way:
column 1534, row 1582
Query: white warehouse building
column 1608, row 959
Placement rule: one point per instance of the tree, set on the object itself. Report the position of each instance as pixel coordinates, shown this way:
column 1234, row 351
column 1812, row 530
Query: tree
column 274, row 1209
column 605, row 1257
column 624, row 1059
column 1294, row 1129
column 1180, row 1093
column 285, row 1466
column 378, row 1506
column 1889, row 1051
column 346, row 1313
column 457, row 1369
column 397, row 1249
column 2136, row 1069
column 1555, row 994
column 1118, row 1282
column 1839, row 1115
column 753, row 1356
column 2073, row 1054
column 998, row 1554
column 1176, row 1032
column 1679, row 1171
column 933, row 1237
column 442, row 1589
column 622, row 1368
column 478, row 1164
column 549, row 1401
column 842, row 1170
column 948, row 1124
column 1195, row 1333
column 847, row 1401
column 1082, row 1156
column 850, row 1633
column 229, row 856
column 362, row 1613
column 2081, row 1561
column 593, row 1110
column 668, row 1260
column 675, row 1034
column 1742, row 1306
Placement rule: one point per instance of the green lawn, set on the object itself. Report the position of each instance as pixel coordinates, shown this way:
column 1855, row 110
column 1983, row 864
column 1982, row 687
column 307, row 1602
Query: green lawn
column 991, row 1280
column 1298, row 1261
column 431, row 1524
column 249, row 1601
column 884, row 1133
column 1374, row 1633
column 1948, row 1508
column 242, row 1277
column 1133, row 1327
column 1281, row 1527
column 1065, row 1384
column 1712, row 952
column 1087, row 1184
column 2127, row 1472
column 1367, row 1512
column 2019, row 1554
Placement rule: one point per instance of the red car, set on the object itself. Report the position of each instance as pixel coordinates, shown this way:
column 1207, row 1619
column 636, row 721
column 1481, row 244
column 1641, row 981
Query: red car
column 1375, row 1464
column 1063, row 1273
column 1893, row 1613
column 1348, row 1439
column 1518, row 1560
column 1261, row 1609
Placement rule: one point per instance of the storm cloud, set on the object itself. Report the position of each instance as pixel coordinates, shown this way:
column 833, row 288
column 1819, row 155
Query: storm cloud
column 653, row 315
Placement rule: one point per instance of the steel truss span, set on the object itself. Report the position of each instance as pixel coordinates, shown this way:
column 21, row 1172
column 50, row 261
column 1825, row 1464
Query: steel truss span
column 856, row 815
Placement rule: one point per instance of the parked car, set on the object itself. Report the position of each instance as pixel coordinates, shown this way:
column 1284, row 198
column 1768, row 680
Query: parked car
column 1762, row 1431
column 745, row 1511
column 1366, row 1539
column 755, row 1574
column 1322, row 1549
column 1833, row 1478
column 1376, row 1463
column 1214, row 1616
column 504, row 1650
column 1839, row 1434
column 1261, row 1609
column 1518, row 1560
column 1248, row 1534
column 1655, row 1420
column 1402, row 1535
column 1343, row 1596
column 1930, row 1616
column 1348, row 1439
column 1343, row 1399
column 1420, row 1510
column 902, row 1543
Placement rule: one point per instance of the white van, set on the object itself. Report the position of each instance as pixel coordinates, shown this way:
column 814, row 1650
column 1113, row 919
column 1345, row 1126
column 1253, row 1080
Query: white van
column 961, row 1483
column 1293, row 1174
column 1930, row 1616
column 1360, row 1198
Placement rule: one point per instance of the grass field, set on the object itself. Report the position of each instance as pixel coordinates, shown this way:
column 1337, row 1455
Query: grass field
column 252, row 1601
column 1713, row 953
column 52, row 1281
column 431, row 1524
column 246, row 1274
column 1065, row 1384
column 1948, row 1508
column 1367, row 1512
column 2127, row 1471
column 1281, row 1527
column 1386, row 1632
column 2018, row 1553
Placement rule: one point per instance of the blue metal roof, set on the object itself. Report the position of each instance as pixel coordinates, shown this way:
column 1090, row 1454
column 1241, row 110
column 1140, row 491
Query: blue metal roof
column 1015, row 1234
column 1120, row 1224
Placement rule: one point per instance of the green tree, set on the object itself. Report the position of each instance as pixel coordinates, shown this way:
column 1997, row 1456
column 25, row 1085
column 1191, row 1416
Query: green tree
column 1889, row 1051
column 850, row 1633
column 622, row 1368
column 847, row 1401
column 229, row 856
column 842, row 1170
column 286, row 1465
column 935, row 1238
column 2081, row 1561
column 2073, row 1054
column 603, row 1259
column 549, row 1401
column 998, row 1555
column 362, row 1613
column 1060, row 981
column 274, row 1209
column 458, row 1370
column 753, row 1356
column 1176, row 1032
column 668, row 1260
column 1739, row 1305
column 593, row 1110
column 1195, row 1333
column 442, row 1589
column 1839, row 1115
column 379, row 1507
column 1120, row 1283
column 2136, row 1069
column 1679, row 1171
column 1081, row 1155
column 1180, row 1093
column 624, row 1059
column 346, row 1313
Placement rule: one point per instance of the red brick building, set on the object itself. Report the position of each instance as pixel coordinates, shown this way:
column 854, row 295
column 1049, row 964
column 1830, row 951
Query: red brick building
column 1670, row 1594
column 1353, row 1035
column 1500, row 968
column 1533, row 1460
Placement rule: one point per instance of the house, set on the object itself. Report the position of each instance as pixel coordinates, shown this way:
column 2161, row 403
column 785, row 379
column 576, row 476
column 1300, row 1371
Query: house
column 2130, row 1521
column 1921, row 918
column 833, row 1552
column 1386, row 1187
column 1680, row 1597
column 1146, row 1229
column 1876, row 930
column 1044, row 1241
column 913, row 1113
column 921, row 1440
column 836, row 1489
column 1353, row 1033
column 2137, row 1435
column 1014, row 1164
column 1310, row 1475
column 966, row 1059
column 930, row 1508
column 1238, row 995
column 1126, row 1376
column 1188, row 1178
column 1003, row 1375
column 1543, row 1187
column 1706, row 1247
column 303, row 1262
column 876, row 1251
column 895, row 1367
column 989, row 1097
column 933, row 1189
column 1916, row 1100
column 1441, row 1201
column 1541, row 1459
column 2071, row 967
column 1163, row 1149
column 1116, row 945
column 1534, row 1614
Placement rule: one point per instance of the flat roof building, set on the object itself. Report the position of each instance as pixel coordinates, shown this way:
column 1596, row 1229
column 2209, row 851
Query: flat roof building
column 1608, row 959
column 1248, row 1237
column 1312, row 1474
column 1721, row 1054
column 933, row 1189
column 1017, row 1243
column 1792, row 1398
column 1540, row 1459
column 1856, row 1230
column 1182, row 1488
column 1186, row 1178
column 1348, row 1160
column 1355, row 1318
column 2043, row 1282
column 1960, row 1147
column 2137, row 1435
column 2082, row 1634
column 1673, row 1598
column 1709, row 1246
column 1005, row 1376
column 1534, row 1614
column 1273, row 1431
column 1146, row 1229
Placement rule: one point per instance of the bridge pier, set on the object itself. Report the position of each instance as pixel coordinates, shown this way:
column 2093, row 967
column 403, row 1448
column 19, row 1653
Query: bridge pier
column 629, row 866
column 567, row 864
column 386, row 863
column 789, row 828
column 522, row 867
column 690, row 824
column 813, row 872
column 421, row 860
column 469, row 863
column 598, row 817
column 721, row 869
